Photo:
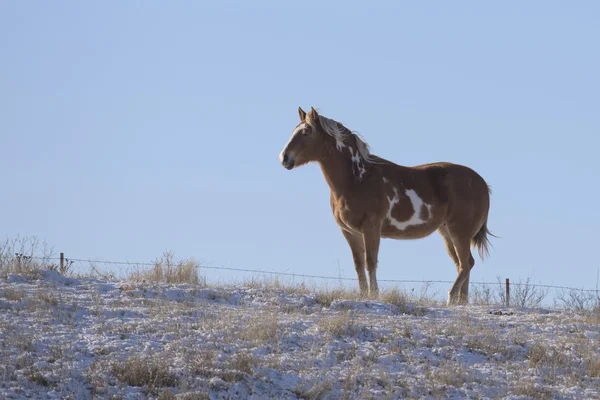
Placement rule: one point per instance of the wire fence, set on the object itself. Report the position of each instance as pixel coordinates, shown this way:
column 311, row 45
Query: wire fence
column 299, row 275
column 522, row 291
column 323, row 277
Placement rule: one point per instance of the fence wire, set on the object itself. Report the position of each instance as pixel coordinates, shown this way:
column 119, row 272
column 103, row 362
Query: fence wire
column 323, row 277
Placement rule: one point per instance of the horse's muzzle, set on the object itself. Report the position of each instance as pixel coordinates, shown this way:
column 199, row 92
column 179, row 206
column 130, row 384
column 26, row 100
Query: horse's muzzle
column 287, row 162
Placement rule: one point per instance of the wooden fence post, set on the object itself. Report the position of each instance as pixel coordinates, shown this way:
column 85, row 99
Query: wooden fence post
column 62, row 262
column 507, row 293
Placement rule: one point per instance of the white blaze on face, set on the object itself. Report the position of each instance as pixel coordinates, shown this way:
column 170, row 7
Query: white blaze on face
column 298, row 130
column 416, row 202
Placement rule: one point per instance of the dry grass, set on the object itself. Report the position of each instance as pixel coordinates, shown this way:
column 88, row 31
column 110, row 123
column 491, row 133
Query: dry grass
column 592, row 316
column 578, row 301
column 194, row 396
column 414, row 304
column 201, row 361
column 592, row 366
column 486, row 342
column 340, row 324
column 97, row 377
column 13, row 294
column 325, row 296
column 540, row 355
column 151, row 372
column 243, row 362
column 232, row 369
column 19, row 256
column 407, row 304
column 524, row 294
column 48, row 298
column 395, row 297
column 35, row 375
column 483, row 295
column 531, row 390
column 318, row 391
column 25, row 360
column 275, row 283
column 21, row 340
column 264, row 327
column 168, row 270
column 527, row 295
column 166, row 394
column 451, row 374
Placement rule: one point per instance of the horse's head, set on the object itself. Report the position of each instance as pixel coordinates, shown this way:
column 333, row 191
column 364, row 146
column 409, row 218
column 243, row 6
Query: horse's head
column 307, row 143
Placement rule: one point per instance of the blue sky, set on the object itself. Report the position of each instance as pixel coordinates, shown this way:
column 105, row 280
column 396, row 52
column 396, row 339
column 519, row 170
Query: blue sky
column 131, row 128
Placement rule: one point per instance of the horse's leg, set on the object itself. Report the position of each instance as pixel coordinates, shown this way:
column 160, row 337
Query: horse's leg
column 443, row 231
column 466, row 263
column 372, row 237
column 358, row 254
column 463, row 293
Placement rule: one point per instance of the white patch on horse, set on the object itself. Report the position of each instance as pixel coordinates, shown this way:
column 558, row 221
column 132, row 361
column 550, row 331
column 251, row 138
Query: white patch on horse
column 339, row 144
column 298, row 129
column 361, row 171
column 357, row 160
column 416, row 202
column 385, row 180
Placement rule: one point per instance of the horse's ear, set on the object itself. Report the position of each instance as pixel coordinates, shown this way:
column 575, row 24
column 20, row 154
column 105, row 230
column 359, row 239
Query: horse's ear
column 312, row 114
column 302, row 114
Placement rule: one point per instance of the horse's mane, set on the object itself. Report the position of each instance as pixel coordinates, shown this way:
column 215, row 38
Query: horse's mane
column 341, row 134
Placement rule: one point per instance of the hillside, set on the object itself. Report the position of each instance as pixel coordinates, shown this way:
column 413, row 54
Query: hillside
column 97, row 338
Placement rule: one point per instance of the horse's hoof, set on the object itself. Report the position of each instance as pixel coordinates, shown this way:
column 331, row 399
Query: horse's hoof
column 450, row 300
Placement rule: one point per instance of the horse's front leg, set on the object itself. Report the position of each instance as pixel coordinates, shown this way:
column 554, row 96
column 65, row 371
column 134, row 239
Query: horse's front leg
column 358, row 254
column 371, row 238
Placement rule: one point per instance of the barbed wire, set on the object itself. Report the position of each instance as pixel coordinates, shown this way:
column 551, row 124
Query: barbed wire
column 298, row 275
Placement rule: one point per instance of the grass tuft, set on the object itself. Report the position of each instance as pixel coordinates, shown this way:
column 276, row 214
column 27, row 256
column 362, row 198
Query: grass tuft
column 150, row 372
column 20, row 256
column 341, row 324
column 168, row 270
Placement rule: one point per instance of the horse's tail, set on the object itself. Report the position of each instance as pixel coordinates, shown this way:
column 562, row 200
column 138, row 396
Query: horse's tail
column 482, row 241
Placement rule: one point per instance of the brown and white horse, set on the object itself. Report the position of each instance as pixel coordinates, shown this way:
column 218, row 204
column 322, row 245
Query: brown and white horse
column 373, row 198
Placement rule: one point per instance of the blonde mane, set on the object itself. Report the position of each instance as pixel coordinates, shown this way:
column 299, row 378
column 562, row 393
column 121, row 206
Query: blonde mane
column 341, row 134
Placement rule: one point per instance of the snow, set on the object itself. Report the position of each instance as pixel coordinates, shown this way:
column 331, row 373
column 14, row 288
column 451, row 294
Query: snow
column 80, row 337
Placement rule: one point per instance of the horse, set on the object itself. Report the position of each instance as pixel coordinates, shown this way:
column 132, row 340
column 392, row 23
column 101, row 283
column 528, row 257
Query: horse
column 373, row 198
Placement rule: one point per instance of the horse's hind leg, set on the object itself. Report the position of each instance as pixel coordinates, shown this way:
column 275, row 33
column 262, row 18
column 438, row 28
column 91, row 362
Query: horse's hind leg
column 460, row 290
column 463, row 292
column 355, row 241
column 449, row 246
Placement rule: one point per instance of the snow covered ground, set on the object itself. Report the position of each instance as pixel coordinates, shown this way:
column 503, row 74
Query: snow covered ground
column 88, row 338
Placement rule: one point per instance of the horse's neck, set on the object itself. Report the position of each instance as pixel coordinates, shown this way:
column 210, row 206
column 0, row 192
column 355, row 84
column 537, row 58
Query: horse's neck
column 339, row 173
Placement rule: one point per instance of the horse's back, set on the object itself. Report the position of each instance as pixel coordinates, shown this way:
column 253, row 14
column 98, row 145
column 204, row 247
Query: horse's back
column 456, row 173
